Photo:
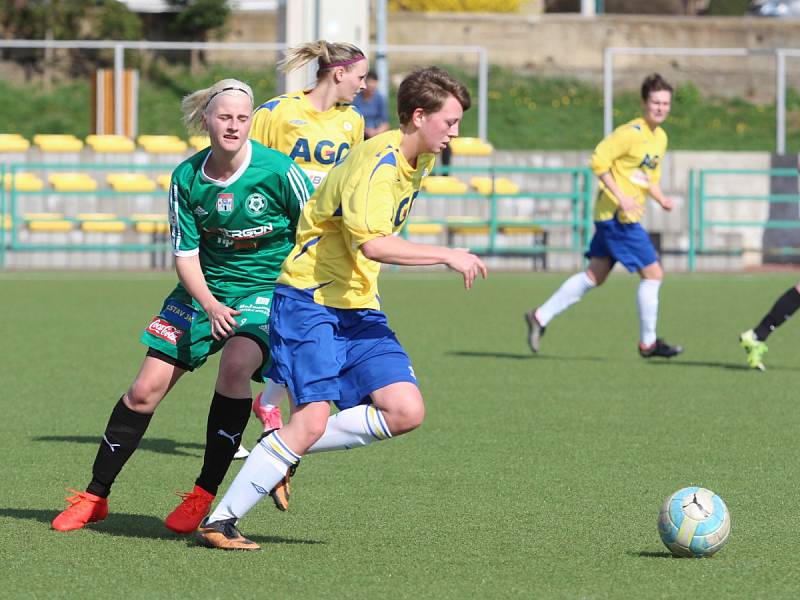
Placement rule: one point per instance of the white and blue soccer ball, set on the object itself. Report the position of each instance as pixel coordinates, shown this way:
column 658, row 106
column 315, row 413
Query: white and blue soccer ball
column 694, row 522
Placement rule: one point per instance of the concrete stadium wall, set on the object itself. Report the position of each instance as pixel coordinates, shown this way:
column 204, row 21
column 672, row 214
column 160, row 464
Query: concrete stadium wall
column 572, row 46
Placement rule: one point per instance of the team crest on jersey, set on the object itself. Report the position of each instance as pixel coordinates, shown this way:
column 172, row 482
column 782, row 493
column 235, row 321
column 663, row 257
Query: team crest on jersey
column 255, row 204
column 225, row 203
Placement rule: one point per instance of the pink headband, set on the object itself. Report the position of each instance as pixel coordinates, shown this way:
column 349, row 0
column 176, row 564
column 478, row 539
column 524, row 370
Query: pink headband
column 342, row 63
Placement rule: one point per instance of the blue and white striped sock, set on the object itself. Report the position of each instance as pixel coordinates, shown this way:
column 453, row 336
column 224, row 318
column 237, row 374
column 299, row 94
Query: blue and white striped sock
column 265, row 467
column 352, row 428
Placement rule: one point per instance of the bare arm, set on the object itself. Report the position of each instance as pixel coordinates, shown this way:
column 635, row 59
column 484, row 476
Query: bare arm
column 657, row 195
column 394, row 250
column 191, row 276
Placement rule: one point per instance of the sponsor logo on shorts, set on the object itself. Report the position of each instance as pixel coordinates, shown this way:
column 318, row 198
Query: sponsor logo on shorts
column 178, row 314
column 411, row 371
column 225, row 203
column 165, row 330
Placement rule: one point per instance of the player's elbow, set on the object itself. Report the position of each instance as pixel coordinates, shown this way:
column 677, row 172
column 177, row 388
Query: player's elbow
column 373, row 249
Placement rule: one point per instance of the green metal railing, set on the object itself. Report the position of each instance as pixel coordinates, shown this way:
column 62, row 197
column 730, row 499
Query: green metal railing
column 699, row 198
column 578, row 192
column 12, row 206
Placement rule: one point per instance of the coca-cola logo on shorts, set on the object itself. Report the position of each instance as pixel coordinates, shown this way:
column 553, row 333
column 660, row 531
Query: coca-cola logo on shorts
column 164, row 330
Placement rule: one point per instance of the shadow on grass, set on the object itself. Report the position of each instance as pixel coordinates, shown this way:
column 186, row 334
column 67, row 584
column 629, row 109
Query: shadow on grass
column 158, row 445
column 524, row 356
column 645, row 554
column 135, row 526
column 682, row 362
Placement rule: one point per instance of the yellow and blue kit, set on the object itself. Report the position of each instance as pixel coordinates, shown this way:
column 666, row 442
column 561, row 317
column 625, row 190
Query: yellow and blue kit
column 367, row 196
column 632, row 153
column 315, row 140
column 328, row 337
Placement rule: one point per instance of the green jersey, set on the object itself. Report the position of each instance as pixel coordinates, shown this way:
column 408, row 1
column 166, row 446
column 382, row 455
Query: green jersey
column 243, row 227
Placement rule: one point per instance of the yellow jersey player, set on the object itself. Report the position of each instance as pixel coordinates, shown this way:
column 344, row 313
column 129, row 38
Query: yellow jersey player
column 628, row 165
column 316, row 128
column 330, row 341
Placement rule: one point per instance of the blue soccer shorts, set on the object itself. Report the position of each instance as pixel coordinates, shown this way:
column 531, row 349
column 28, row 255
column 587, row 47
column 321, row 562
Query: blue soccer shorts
column 627, row 243
column 331, row 354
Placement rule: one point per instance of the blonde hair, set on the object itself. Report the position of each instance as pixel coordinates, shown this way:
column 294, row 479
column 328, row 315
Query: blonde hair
column 329, row 55
column 197, row 104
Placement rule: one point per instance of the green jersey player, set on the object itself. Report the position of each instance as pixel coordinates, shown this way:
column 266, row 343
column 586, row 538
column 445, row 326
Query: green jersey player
column 233, row 212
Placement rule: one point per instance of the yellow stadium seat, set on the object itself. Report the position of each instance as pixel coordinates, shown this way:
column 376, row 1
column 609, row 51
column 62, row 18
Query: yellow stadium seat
column 425, row 228
column 101, row 222
column 13, row 142
column 443, row 184
column 199, row 142
column 130, row 182
column 72, row 182
column 467, row 146
column 110, row 143
column 163, row 180
column 502, row 185
column 24, row 182
column 162, row 144
column 47, row 222
column 467, row 225
column 150, row 222
column 523, row 227
column 7, row 222
column 54, row 142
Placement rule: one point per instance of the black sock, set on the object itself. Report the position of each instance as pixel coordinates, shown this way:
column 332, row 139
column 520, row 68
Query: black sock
column 227, row 418
column 124, row 431
column 780, row 311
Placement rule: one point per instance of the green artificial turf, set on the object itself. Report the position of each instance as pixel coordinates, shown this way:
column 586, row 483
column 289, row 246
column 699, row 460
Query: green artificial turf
column 532, row 476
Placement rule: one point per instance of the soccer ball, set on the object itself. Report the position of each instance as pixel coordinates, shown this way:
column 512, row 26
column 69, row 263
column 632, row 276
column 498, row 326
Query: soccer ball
column 694, row 522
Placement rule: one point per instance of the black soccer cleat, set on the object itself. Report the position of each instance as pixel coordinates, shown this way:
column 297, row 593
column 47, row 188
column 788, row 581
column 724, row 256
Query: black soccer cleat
column 660, row 348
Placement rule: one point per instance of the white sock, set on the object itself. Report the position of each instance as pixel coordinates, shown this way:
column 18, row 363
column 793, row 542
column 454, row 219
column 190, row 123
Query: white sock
column 568, row 294
column 266, row 466
column 647, row 301
column 352, row 428
column 273, row 394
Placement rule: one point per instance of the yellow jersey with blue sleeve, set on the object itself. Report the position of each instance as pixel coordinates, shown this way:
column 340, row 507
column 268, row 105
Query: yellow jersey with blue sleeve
column 367, row 196
column 315, row 140
column 632, row 153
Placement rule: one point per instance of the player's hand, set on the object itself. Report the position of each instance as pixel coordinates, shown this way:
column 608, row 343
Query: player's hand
column 221, row 319
column 667, row 204
column 469, row 265
column 630, row 207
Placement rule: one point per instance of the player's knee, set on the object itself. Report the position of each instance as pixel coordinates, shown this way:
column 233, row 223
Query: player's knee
column 144, row 396
column 235, row 368
column 408, row 416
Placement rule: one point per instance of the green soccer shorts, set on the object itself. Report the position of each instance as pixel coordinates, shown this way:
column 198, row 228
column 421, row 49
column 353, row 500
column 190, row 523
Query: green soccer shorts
column 182, row 330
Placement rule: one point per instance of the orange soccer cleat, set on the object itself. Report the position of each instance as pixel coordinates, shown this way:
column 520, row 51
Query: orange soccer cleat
column 190, row 512
column 84, row 508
